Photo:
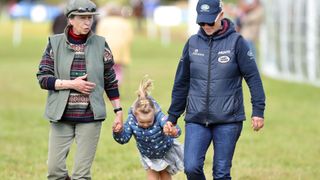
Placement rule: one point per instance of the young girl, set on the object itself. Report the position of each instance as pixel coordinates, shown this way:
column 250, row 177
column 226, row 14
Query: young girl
column 161, row 154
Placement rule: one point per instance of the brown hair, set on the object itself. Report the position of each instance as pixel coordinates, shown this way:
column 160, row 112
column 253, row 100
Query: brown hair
column 144, row 103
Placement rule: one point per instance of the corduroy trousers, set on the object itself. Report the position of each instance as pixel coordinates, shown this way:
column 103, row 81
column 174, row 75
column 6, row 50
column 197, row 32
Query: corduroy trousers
column 61, row 137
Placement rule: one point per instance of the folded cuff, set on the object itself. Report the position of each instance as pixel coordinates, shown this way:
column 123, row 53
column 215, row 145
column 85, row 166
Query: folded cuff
column 173, row 119
column 51, row 83
column 258, row 113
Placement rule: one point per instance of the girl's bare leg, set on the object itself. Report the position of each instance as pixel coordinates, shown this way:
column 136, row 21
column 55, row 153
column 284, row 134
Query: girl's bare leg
column 152, row 175
column 164, row 175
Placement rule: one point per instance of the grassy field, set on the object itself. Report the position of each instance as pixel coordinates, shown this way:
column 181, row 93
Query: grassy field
column 287, row 148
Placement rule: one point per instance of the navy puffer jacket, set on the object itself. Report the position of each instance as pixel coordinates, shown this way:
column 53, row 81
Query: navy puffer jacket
column 208, row 82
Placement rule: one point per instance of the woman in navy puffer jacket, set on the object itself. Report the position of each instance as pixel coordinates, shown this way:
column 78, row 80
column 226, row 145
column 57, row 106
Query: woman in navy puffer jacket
column 208, row 86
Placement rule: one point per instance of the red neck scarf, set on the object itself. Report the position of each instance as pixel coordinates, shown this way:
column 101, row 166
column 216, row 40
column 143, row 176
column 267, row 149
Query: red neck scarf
column 81, row 37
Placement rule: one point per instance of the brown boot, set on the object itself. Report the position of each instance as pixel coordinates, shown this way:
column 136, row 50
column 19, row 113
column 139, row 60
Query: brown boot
column 68, row 178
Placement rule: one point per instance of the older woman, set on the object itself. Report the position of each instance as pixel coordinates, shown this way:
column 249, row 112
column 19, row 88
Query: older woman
column 76, row 69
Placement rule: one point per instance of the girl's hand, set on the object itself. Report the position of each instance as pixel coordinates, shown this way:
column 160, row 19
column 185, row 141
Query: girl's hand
column 170, row 130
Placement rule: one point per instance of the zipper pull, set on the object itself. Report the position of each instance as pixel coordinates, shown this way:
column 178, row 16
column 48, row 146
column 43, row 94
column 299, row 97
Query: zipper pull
column 210, row 41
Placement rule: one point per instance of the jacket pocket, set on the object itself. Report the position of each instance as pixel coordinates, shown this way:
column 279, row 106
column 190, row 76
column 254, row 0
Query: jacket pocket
column 238, row 102
column 51, row 103
column 187, row 104
column 228, row 103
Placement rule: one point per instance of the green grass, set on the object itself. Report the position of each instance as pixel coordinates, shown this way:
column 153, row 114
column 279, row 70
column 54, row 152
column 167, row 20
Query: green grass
column 287, row 148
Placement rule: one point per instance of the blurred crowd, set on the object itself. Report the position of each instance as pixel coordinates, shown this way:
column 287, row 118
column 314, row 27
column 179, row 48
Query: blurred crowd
column 248, row 17
column 115, row 25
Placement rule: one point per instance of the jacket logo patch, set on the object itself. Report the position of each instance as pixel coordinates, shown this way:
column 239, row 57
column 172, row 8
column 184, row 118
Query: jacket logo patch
column 223, row 59
column 196, row 53
column 224, row 52
column 250, row 54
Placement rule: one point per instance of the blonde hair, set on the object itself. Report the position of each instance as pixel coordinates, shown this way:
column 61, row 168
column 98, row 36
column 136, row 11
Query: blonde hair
column 143, row 103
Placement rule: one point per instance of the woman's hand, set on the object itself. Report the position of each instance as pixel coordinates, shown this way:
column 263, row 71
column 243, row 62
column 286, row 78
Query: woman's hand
column 118, row 122
column 257, row 123
column 82, row 85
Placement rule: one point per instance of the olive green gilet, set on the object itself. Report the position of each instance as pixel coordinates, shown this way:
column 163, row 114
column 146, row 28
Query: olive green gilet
column 63, row 57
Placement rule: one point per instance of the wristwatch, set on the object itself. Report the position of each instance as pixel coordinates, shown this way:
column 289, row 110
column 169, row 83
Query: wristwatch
column 117, row 109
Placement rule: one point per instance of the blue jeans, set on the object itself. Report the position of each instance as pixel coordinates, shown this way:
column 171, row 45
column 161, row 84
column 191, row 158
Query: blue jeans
column 197, row 141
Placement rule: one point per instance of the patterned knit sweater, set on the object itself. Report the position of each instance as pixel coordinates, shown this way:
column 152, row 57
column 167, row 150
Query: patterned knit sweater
column 78, row 108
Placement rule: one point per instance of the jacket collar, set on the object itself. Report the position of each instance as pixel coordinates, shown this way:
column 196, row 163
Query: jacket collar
column 66, row 30
column 227, row 27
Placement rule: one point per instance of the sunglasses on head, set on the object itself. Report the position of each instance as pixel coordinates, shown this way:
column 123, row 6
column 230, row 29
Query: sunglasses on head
column 83, row 10
column 203, row 24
